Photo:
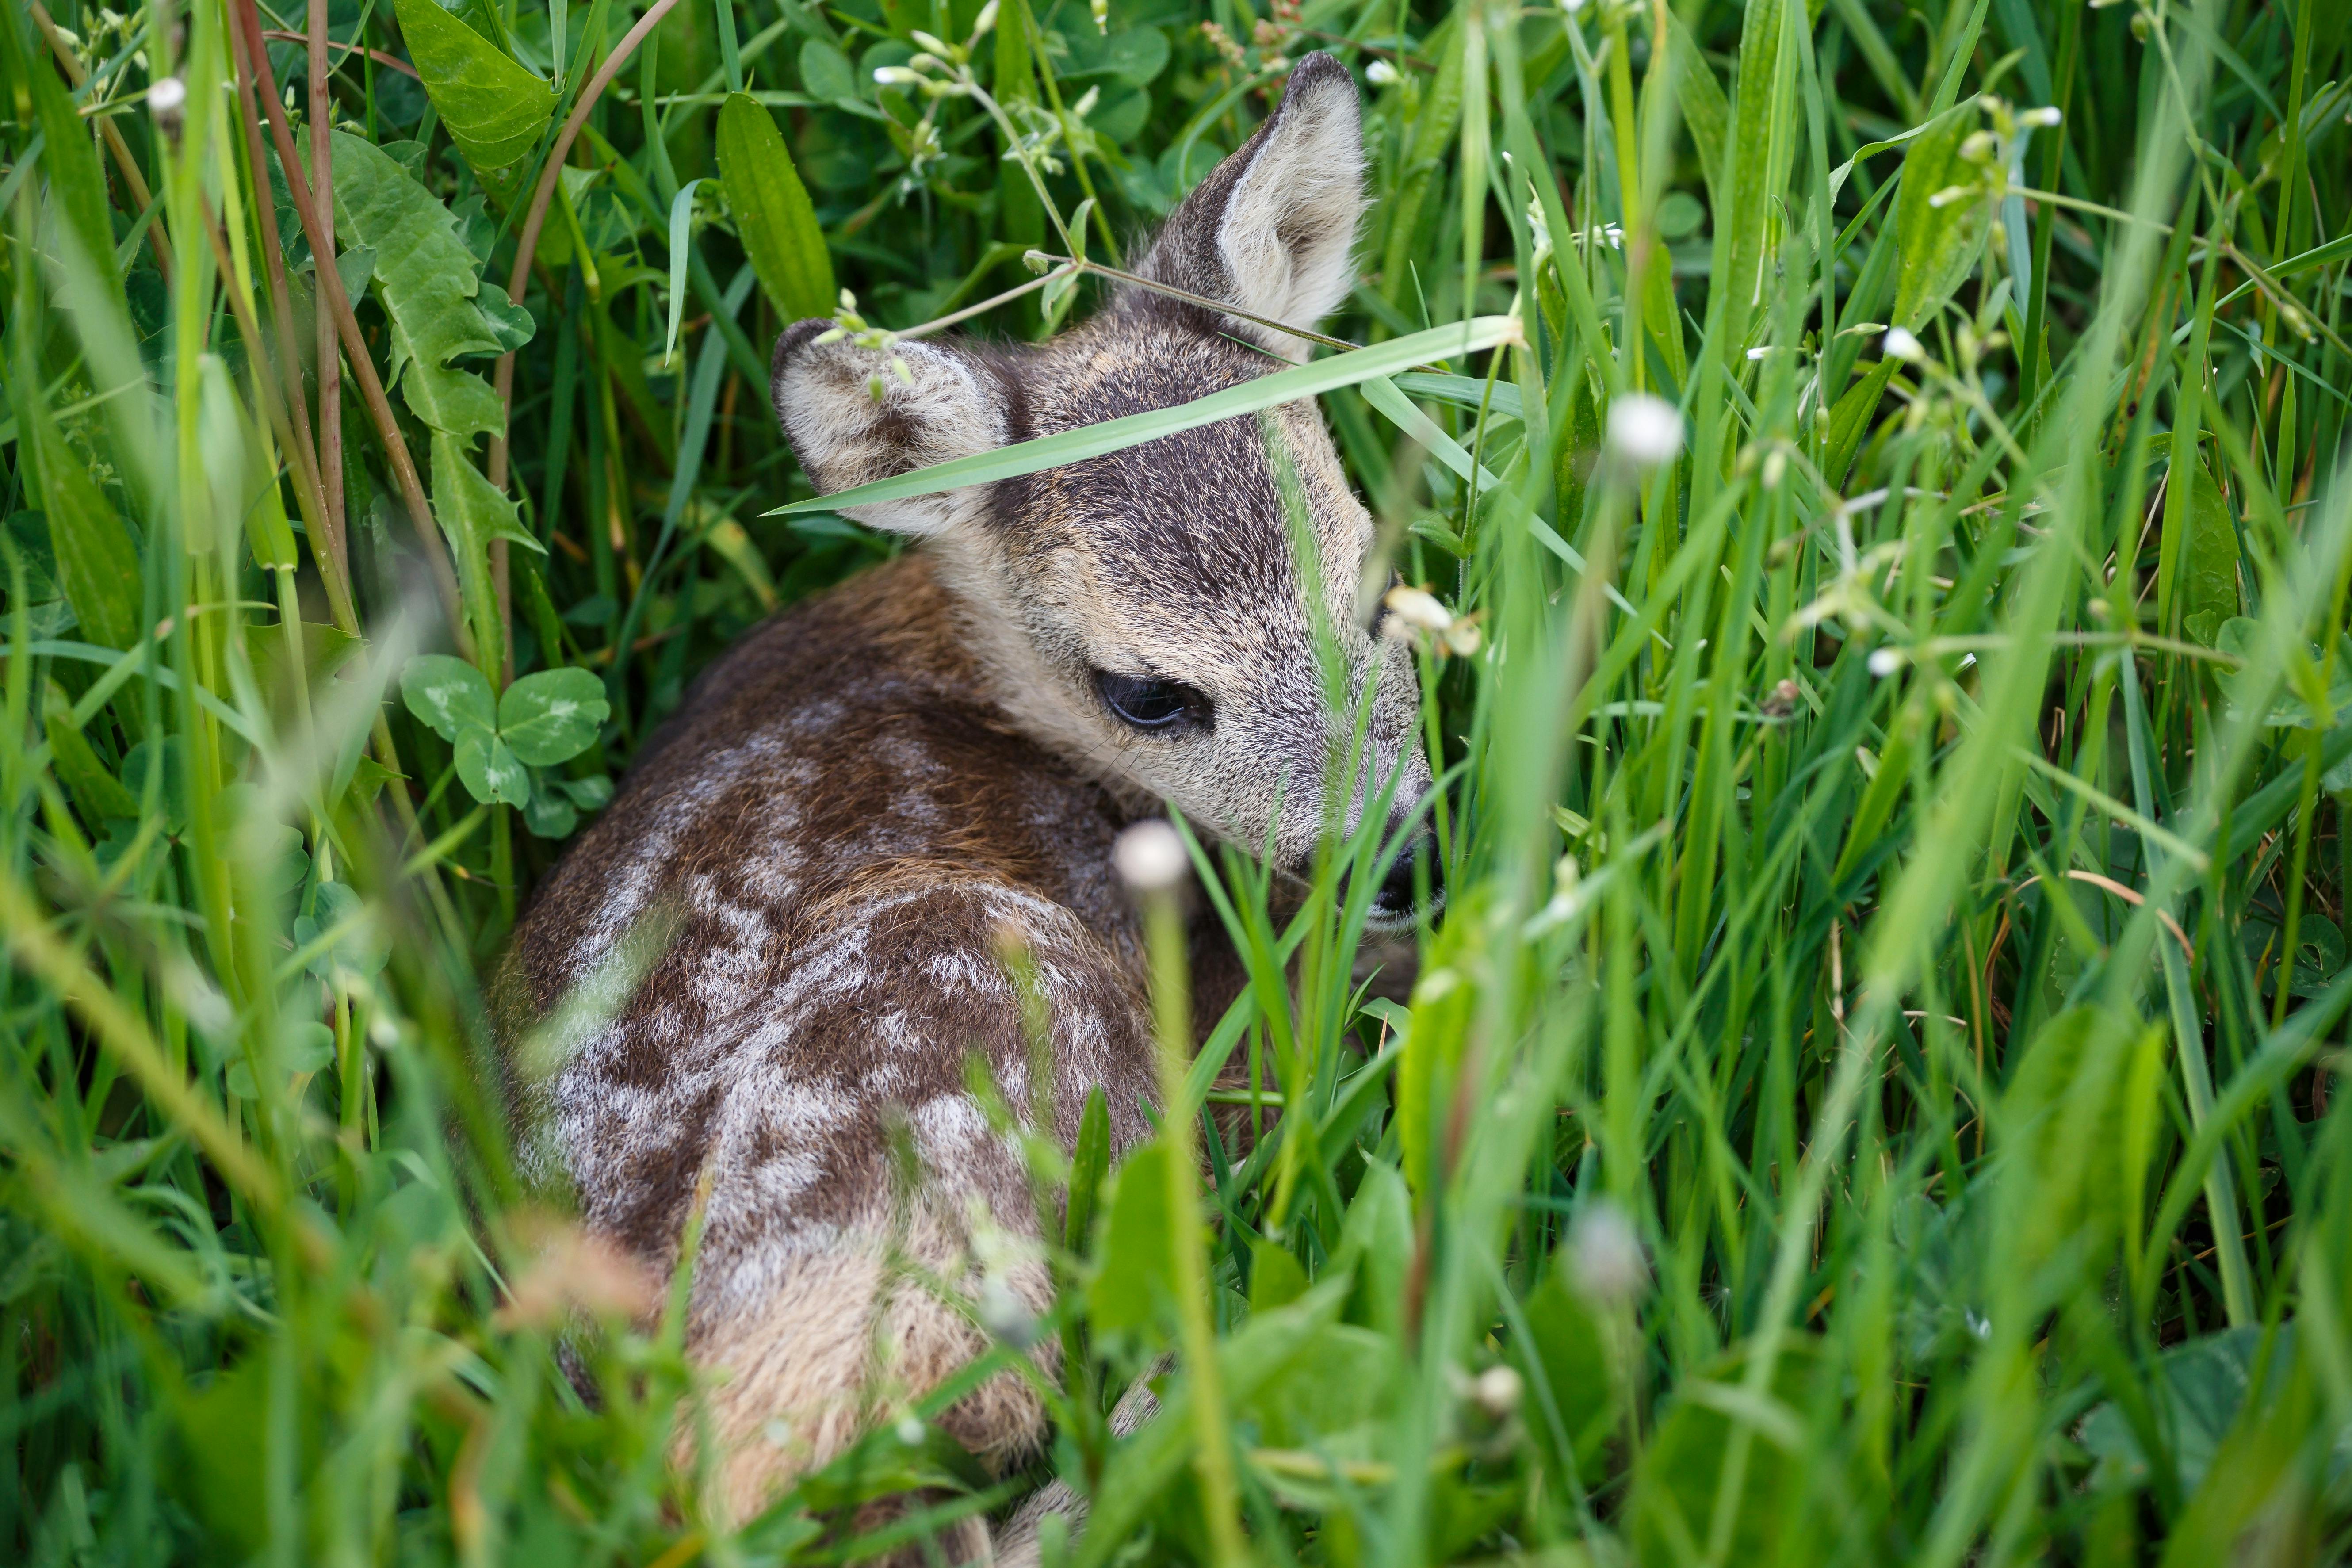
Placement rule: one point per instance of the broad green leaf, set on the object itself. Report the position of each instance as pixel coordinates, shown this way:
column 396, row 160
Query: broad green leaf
column 594, row 792
column 549, row 815
column 2062, row 1121
column 448, row 694
column 1676, row 1483
column 1133, row 1282
column 1311, row 380
column 363, row 950
column 2209, row 563
column 1938, row 243
column 771, row 209
column 1277, row 1278
column 826, row 71
column 1376, row 1242
column 1445, row 1002
column 97, row 565
column 489, row 771
column 76, row 762
column 1763, row 143
column 1088, row 1159
column 2203, row 1385
column 1572, row 1379
column 495, row 109
column 427, row 283
column 553, row 716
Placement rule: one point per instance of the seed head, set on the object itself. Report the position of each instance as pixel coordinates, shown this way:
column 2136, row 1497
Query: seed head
column 1644, row 431
column 1150, row 857
column 1607, row 1255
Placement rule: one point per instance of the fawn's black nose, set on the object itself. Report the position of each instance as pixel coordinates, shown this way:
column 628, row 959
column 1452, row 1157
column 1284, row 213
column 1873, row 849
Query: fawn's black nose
column 1395, row 900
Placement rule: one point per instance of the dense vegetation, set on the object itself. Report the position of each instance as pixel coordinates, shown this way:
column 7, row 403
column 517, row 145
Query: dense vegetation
column 1877, row 1092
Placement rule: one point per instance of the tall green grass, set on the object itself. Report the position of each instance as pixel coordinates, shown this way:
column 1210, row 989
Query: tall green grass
column 1875, row 1094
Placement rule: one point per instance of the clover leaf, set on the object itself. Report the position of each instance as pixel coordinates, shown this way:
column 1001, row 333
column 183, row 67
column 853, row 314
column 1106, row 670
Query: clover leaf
column 546, row 717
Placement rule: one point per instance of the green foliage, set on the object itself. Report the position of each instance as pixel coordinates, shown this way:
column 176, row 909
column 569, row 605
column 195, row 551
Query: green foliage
column 1876, row 1092
column 779, row 226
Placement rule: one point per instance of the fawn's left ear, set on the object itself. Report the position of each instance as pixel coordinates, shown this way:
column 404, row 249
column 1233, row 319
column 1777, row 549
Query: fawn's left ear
column 1271, row 230
column 851, row 417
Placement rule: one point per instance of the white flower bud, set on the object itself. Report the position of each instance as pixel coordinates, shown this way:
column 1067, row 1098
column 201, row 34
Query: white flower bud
column 2045, row 117
column 1380, row 73
column 1901, row 345
column 909, row 1430
column 897, row 76
column 1417, row 609
column 925, row 41
column 1150, row 857
column 1885, row 661
column 1497, row 1391
column 1606, row 1254
column 1100, row 10
column 1644, row 430
column 167, row 96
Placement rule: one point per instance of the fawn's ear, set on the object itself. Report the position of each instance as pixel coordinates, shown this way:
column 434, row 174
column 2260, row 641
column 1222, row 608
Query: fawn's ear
column 1271, row 230
column 851, row 417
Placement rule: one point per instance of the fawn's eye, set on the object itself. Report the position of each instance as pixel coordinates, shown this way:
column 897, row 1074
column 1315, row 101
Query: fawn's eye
column 1150, row 704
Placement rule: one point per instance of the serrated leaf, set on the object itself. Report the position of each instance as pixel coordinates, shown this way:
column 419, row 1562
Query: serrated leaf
column 494, row 109
column 448, row 694
column 1938, row 243
column 489, row 769
column 509, row 322
column 553, row 716
column 426, row 282
column 771, row 209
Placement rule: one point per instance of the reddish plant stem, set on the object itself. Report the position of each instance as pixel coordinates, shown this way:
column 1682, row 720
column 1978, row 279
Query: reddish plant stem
column 389, row 62
column 256, row 60
column 326, row 548
column 320, row 109
column 526, row 251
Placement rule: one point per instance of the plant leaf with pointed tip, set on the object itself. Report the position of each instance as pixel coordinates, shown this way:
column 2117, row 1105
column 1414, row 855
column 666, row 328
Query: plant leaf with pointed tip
column 427, row 281
column 771, row 209
column 494, row 109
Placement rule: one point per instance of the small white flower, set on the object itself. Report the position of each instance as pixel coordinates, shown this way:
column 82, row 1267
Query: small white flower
column 1901, row 345
column 1885, row 661
column 1150, row 857
column 910, row 1430
column 1644, row 430
column 2040, row 117
column 1100, row 11
column 1417, row 608
column 1497, row 1391
column 1606, row 1254
column 1380, row 73
column 169, row 95
column 897, row 76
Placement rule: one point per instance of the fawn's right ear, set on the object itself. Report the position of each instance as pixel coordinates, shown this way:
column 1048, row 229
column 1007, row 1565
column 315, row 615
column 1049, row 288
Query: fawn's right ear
column 851, row 418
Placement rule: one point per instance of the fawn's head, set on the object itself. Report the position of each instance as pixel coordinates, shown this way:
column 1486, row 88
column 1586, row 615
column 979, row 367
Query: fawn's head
column 1194, row 618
